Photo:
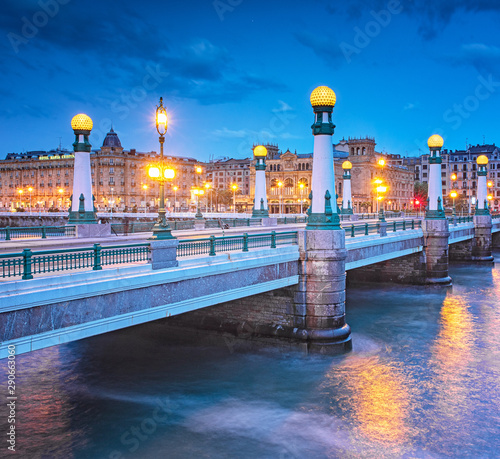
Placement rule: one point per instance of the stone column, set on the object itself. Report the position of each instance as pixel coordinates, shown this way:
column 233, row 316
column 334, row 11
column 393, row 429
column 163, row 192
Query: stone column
column 164, row 253
column 260, row 207
column 82, row 202
column 320, row 296
column 482, row 242
column 435, row 225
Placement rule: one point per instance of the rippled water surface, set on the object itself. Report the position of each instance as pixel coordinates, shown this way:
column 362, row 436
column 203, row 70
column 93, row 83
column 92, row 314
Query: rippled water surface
column 422, row 382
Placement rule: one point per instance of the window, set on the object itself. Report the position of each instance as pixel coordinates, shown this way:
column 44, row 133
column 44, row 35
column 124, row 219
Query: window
column 424, row 166
column 111, row 170
column 424, row 174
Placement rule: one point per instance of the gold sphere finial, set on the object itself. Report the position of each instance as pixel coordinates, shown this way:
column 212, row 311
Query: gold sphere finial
column 81, row 122
column 260, row 151
column 347, row 165
column 435, row 141
column 482, row 160
column 323, row 96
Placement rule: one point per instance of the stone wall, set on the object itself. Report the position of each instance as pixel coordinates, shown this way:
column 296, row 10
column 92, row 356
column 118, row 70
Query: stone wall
column 461, row 251
column 410, row 269
column 264, row 313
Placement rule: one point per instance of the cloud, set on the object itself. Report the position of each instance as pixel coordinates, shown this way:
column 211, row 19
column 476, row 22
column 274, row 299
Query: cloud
column 284, row 107
column 484, row 58
column 432, row 17
column 409, row 106
column 322, row 45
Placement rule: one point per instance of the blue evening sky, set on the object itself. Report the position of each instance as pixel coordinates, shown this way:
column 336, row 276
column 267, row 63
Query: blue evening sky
column 237, row 72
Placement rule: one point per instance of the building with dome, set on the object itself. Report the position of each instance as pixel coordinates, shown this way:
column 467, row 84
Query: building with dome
column 119, row 179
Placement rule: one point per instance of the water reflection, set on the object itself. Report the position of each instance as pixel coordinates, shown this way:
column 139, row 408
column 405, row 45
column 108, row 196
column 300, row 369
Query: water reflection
column 376, row 401
column 452, row 355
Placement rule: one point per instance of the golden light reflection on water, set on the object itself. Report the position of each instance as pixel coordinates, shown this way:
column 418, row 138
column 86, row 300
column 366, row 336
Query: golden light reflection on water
column 452, row 353
column 45, row 408
column 379, row 401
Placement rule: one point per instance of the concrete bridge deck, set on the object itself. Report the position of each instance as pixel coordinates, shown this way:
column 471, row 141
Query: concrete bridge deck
column 56, row 309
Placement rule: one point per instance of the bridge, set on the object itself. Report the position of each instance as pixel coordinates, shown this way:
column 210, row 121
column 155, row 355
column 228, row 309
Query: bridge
column 287, row 284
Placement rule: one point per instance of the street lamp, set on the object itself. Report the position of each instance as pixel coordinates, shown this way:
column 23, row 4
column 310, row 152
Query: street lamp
column 378, row 182
column 301, row 187
column 207, row 187
column 145, row 188
column 20, row 191
column 280, row 186
column 161, row 230
column 61, row 191
column 234, row 187
column 175, row 187
column 381, row 189
column 453, row 195
column 198, row 192
column 30, row 189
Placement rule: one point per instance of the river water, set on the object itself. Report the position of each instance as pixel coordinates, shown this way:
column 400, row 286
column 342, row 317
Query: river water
column 422, row 382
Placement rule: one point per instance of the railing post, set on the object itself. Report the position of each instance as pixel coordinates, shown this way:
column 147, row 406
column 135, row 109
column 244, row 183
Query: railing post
column 273, row 239
column 212, row 247
column 394, row 230
column 412, row 224
column 366, row 229
column 245, row 242
column 404, row 225
column 97, row 257
column 27, row 264
column 7, row 233
column 352, row 231
column 44, row 232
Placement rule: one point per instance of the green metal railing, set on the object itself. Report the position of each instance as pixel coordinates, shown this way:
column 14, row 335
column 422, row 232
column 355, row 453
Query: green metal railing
column 365, row 229
column 468, row 219
column 294, row 219
column 44, row 232
column 213, row 245
column 27, row 263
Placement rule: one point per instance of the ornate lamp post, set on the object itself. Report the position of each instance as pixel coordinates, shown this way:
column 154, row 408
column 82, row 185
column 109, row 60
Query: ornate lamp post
column 323, row 210
column 198, row 192
column 347, row 198
column 260, row 207
column 482, row 190
column 82, row 203
column 161, row 229
column 435, row 209
column 381, row 189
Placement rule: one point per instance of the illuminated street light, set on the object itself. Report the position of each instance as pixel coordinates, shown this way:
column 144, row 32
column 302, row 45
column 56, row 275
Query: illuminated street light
column 175, row 188
column 234, row 187
column 482, row 207
column 453, row 195
column 161, row 229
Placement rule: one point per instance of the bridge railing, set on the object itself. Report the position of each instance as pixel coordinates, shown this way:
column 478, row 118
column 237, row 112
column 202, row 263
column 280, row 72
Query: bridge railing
column 364, row 229
column 28, row 263
column 458, row 220
column 8, row 233
column 212, row 245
